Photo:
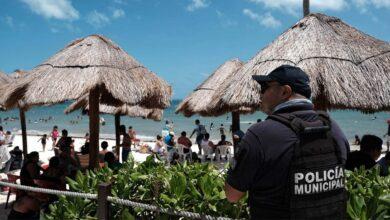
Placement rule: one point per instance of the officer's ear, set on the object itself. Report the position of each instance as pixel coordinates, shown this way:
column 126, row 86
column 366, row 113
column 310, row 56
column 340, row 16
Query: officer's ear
column 286, row 91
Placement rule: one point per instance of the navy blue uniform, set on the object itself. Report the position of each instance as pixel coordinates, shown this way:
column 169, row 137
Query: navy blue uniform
column 263, row 158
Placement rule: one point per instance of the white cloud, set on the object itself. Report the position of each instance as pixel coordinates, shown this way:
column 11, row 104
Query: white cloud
column 9, row 21
column 118, row 13
column 197, row 4
column 225, row 21
column 266, row 20
column 295, row 6
column 57, row 9
column 364, row 5
column 97, row 19
column 381, row 3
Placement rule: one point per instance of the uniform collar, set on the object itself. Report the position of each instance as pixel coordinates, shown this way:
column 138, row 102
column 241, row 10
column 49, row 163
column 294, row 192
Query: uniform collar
column 294, row 105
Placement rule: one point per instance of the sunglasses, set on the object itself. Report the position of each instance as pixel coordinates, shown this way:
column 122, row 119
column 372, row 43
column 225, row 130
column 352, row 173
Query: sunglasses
column 266, row 86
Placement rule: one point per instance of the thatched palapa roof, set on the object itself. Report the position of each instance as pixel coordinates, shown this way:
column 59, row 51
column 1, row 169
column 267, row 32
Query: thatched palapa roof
column 132, row 111
column 18, row 74
column 347, row 68
column 4, row 78
column 198, row 102
column 86, row 63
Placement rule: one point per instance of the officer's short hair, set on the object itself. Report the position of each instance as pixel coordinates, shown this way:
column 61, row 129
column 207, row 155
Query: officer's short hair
column 370, row 142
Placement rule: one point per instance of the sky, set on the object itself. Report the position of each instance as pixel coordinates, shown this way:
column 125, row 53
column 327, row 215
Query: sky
column 182, row 41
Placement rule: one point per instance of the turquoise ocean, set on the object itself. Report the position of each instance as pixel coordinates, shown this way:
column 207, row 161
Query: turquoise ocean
column 351, row 122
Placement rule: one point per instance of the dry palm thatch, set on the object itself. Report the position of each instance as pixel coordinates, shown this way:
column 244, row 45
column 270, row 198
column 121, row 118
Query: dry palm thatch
column 85, row 64
column 5, row 81
column 348, row 69
column 132, row 111
column 4, row 78
column 18, row 74
column 198, row 102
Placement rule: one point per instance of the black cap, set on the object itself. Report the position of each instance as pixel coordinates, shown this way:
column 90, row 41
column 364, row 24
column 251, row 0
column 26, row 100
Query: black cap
column 293, row 76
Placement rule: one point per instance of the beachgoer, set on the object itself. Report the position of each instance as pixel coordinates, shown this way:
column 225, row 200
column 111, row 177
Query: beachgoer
column 388, row 135
column 102, row 121
column 258, row 120
column 159, row 146
column 104, row 146
column 169, row 141
column 54, row 172
column 16, row 158
column 5, row 156
column 222, row 130
column 54, row 135
column 30, row 170
column 2, row 132
column 264, row 165
column 357, row 140
column 211, row 126
column 43, row 141
column 133, row 136
column 223, row 141
column 126, row 143
column 207, row 145
column 111, row 161
column 185, row 141
column 384, row 164
column 9, row 138
column 26, row 207
column 86, row 138
column 370, row 150
column 200, row 131
column 85, row 149
column 68, row 163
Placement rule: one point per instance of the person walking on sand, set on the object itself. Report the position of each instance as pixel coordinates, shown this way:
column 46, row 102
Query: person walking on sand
column 43, row 140
column 54, row 135
column 126, row 143
column 200, row 131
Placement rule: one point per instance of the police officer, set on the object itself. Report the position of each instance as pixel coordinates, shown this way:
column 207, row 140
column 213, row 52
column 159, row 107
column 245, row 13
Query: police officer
column 292, row 163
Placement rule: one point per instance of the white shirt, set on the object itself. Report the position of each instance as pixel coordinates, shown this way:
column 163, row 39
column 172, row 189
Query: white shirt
column 4, row 155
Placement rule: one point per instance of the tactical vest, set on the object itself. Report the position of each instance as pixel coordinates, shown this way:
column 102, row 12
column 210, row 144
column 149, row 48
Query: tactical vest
column 316, row 184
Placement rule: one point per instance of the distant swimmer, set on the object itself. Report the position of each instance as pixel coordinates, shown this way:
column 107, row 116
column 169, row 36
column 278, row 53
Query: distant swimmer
column 102, row 121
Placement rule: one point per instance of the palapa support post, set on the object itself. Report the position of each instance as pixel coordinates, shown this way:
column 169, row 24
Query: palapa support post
column 94, row 127
column 235, row 127
column 104, row 190
column 24, row 132
column 306, row 7
column 117, row 134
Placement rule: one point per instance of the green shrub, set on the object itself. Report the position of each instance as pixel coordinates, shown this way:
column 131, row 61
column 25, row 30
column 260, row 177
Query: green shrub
column 184, row 187
column 199, row 188
column 368, row 195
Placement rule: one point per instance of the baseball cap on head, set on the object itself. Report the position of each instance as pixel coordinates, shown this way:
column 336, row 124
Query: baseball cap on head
column 293, row 76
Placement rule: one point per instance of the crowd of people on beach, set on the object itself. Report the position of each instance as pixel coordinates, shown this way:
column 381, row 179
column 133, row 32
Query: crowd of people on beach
column 66, row 161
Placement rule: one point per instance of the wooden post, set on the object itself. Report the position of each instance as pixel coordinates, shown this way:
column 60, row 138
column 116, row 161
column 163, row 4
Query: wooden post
column 117, row 134
column 103, row 208
column 94, row 124
column 235, row 127
column 24, row 132
column 306, row 7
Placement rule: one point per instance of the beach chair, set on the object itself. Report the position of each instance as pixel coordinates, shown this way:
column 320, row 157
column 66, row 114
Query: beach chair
column 183, row 156
column 224, row 151
column 84, row 160
column 11, row 179
column 207, row 152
